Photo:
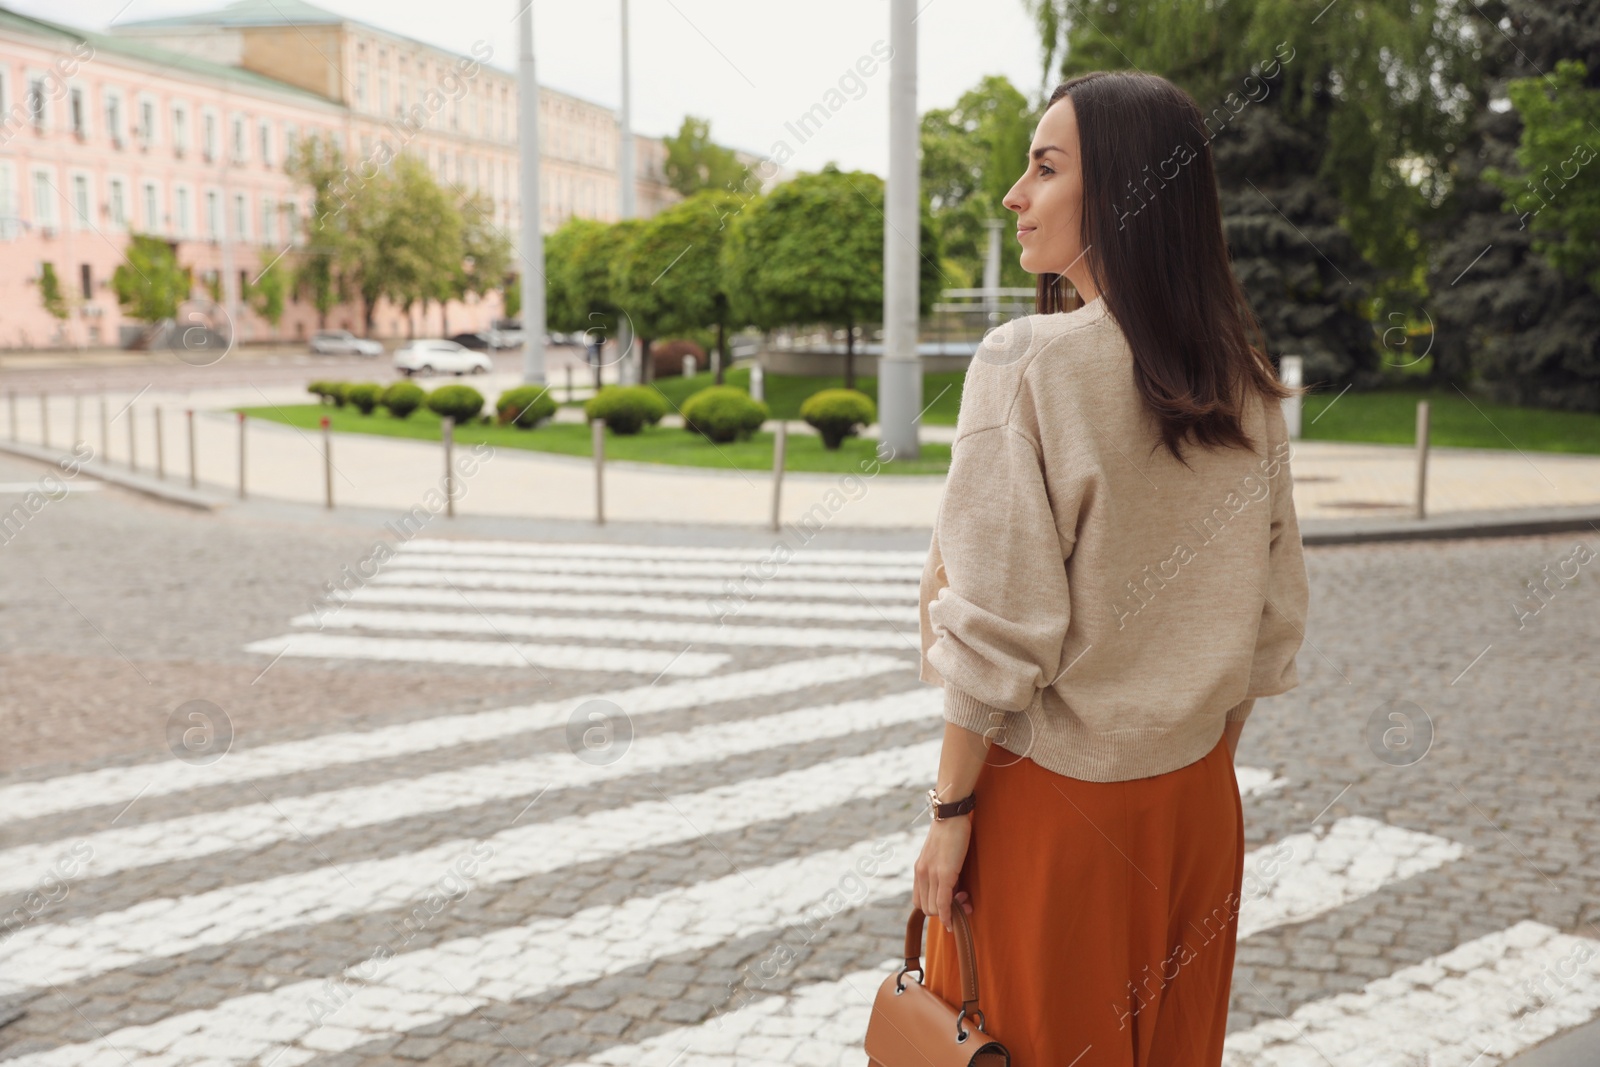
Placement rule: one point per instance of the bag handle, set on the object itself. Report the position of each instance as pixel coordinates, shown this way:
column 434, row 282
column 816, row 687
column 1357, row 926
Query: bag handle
column 966, row 958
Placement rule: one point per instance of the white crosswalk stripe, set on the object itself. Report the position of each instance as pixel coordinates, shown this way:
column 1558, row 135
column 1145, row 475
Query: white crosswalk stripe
column 501, row 653
column 592, row 550
column 122, row 785
column 788, row 572
column 722, row 595
column 497, row 600
column 673, row 631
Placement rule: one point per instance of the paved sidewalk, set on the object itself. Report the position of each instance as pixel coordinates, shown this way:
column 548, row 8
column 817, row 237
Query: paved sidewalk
column 1339, row 486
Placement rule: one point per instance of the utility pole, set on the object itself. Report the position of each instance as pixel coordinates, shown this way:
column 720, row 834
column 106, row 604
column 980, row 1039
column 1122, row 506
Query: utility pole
column 899, row 368
column 626, row 369
column 533, row 309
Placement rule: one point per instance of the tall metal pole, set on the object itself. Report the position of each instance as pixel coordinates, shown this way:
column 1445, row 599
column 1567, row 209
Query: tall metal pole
column 625, row 161
column 626, row 368
column 900, row 371
column 533, row 309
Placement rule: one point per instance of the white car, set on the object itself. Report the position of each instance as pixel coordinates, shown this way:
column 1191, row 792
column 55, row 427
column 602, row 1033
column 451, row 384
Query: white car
column 439, row 357
column 343, row 343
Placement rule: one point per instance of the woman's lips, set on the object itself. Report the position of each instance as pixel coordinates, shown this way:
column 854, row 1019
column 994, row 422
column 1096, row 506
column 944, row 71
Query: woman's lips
column 1023, row 231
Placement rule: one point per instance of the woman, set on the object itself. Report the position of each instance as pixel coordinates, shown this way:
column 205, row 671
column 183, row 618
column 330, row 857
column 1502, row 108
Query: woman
column 1115, row 576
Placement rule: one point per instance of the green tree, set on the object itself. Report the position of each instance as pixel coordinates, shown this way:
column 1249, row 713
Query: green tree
column 50, row 294
column 148, row 283
column 811, row 251
column 266, row 294
column 694, row 162
column 409, row 236
column 972, row 154
column 1330, row 140
column 485, row 257
column 328, row 257
column 1503, row 314
column 1558, row 114
column 671, row 280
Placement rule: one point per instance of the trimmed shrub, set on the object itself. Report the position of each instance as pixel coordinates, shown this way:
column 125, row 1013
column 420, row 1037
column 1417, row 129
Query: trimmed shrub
column 318, row 389
column 525, row 406
column 329, row 392
column 626, row 408
column 836, row 414
column 460, row 402
column 402, row 398
column 364, row 395
column 724, row 413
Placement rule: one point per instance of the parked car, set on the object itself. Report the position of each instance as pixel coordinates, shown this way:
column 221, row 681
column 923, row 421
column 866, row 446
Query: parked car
column 439, row 357
column 343, row 343
column 478, row 342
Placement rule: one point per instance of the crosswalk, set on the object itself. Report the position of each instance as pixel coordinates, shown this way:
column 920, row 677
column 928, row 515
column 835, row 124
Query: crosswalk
column 740, row 758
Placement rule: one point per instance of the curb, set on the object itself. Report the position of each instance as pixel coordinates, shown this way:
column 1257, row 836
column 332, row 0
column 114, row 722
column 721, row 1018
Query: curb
column 138, row 483
column 1451, row 526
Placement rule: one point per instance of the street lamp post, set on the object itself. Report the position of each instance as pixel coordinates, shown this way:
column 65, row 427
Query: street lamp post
column 899, row 369
column 533, row 309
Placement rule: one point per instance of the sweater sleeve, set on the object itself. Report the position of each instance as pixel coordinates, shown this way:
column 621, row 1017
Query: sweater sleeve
column 996, row 629
column 1286, row 594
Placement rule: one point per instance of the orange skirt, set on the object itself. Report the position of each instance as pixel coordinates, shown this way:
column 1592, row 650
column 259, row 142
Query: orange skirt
column 1104, row 914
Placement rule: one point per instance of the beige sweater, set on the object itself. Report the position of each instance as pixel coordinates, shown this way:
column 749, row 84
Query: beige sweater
column 1095, row 605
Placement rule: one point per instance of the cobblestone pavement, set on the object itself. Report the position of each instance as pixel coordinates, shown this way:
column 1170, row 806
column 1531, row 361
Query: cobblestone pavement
column 510, row 795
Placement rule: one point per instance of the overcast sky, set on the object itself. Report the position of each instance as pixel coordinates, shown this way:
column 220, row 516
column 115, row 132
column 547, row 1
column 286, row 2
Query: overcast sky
column 749, row 66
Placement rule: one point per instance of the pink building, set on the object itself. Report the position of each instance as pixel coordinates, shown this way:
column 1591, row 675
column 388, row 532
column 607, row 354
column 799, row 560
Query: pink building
column 180, row 127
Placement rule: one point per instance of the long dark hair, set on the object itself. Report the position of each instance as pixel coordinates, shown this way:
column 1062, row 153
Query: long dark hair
column 1152, row 228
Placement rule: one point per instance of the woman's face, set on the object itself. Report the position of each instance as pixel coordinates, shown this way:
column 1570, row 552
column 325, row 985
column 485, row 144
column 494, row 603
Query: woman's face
column 1048, row 200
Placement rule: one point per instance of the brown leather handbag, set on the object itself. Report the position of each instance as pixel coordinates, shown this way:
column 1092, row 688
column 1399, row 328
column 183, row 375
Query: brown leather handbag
column 911, row 1027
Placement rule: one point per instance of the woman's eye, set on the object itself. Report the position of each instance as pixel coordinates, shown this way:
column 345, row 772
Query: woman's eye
column 1045, row 170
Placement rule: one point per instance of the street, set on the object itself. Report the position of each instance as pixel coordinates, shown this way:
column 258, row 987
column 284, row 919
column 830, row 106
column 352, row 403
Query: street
column 284, row 787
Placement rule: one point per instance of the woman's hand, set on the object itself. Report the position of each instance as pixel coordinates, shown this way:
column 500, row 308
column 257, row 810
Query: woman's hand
column 939, row 866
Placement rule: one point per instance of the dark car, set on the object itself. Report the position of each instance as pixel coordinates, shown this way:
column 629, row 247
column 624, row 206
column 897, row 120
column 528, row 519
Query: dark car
column 475, row 341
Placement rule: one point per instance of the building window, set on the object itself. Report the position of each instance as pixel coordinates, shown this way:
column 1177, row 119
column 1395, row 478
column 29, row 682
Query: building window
column 292, row 222
column 180, row 129
column 44, row 199
column 241, row 218
column 290, row 140
column 266, row 142
column 114, row 118
column 208, row 136
column 37, row 102
column 383, row 92
column 81, row 216
column 361, row 85
column 267, row 220
column 76, row 113
column 147, row 122
column 86, row 277
column 183, row 223
column 239, row 144
column 152, row 209
column 213, row 216
column 10, row 225
column 116, row 196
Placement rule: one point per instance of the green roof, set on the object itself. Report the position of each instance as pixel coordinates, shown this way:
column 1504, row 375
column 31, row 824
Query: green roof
column 107, row 44
column 250, row 13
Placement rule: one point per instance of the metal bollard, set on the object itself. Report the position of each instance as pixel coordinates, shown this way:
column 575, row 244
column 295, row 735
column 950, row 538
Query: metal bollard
column 327, row 460
column 161, row 456
column 447, row 433
column 569, row 383
column 597, row 435
column 241, row 455
column 132, row 447
column 194, row 475
column 77, row 420
column 1422, row 459
column 44, row 419
column 1291, row 370
column 105, row 430
column 779, row 444
column 688, row 366
column 758, row 385
column 11, row 398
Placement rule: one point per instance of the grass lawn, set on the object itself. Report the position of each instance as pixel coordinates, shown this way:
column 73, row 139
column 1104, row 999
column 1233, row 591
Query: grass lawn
column 655, row 444
column 785, row 392
column 1390, row 417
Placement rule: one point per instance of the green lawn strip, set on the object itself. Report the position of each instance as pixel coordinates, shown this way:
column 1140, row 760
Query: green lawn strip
column 655, row 444
column 1390, row 417
column 785, row 392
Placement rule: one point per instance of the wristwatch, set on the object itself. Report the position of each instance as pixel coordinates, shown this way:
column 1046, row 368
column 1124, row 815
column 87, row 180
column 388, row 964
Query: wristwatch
column 952, row 809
